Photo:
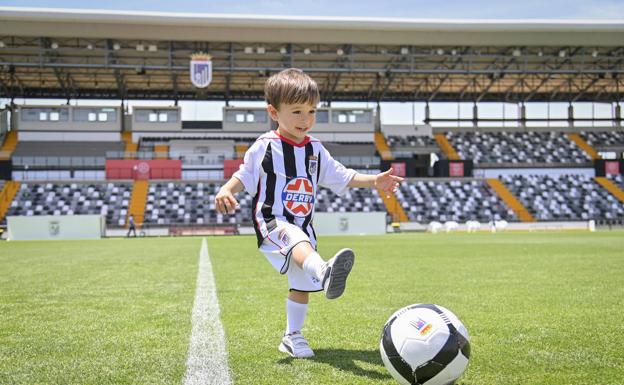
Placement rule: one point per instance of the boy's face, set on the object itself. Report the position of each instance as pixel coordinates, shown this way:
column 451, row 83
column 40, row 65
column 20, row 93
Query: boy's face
column 294, row 120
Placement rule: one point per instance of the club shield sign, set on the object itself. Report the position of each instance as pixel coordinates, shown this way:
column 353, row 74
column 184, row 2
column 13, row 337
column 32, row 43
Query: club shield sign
column 201, row 70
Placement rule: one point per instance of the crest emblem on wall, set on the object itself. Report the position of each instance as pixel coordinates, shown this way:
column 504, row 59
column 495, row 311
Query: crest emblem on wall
column 54, row 228
column 201, row 69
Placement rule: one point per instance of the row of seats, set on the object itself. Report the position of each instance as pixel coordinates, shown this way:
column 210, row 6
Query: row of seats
column 517, row 147
column 564, row 197
column 618, row 180
column 193, row 203
column 395, row 141
column 67, row 154
column 456, row 200
column 599, row 139
column 483, row 147
column 354, row 200
column 110, row 200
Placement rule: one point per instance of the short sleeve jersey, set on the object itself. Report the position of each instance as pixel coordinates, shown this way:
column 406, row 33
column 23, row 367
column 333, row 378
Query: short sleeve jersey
column 283, row 177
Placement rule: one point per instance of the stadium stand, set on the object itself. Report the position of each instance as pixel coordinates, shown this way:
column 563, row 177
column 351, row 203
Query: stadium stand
column 202, row 151
column 354, row 200
column 618, row 180
column 108, row 199
column 60, row 154
column 192, row 204
column 600, row 139
column 355, row 155
column 517, row 147
column 396, row 142
column 564, row 198
column 458, row 200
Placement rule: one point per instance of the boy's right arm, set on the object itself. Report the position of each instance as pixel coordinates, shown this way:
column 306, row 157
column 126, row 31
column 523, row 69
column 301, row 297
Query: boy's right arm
column 224, row 200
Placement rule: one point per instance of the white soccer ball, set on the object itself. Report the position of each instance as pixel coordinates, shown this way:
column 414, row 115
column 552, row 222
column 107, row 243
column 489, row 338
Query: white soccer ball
column 425, row 344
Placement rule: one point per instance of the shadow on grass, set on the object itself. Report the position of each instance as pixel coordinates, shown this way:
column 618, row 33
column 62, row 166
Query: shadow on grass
column 344, row 359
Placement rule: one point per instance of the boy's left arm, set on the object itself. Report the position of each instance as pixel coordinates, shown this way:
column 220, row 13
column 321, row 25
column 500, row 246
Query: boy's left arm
column 384, row 181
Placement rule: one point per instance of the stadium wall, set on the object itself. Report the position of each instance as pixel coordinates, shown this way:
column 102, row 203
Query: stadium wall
column 350, row 223
column 49, row 227
column 28, row 119
column 496, row 172
column 68, row 136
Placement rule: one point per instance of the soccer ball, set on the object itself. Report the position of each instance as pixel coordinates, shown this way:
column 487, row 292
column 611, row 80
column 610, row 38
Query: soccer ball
column 425, row 344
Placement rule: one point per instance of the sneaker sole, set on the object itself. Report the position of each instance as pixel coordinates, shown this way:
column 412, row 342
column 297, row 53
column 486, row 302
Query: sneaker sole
column 339, row 272
column 284, row 349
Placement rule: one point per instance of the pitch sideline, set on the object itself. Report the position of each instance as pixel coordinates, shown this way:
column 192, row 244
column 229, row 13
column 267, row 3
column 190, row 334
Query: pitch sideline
column 207, row 361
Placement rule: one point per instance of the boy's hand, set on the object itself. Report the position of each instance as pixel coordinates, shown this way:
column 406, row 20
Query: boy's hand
column 225, row 201
column 387, row 182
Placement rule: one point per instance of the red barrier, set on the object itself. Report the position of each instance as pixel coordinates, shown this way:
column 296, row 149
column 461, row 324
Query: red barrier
column 398, row 169
column 612, row 167
column 230, row 166
column 143, row 169
column 456, row 169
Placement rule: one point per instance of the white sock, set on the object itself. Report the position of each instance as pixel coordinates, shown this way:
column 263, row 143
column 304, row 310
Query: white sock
column 295, row 315
column 313, row 265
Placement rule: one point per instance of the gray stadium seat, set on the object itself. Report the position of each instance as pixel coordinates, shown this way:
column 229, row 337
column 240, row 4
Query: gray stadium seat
column 517, row 147
column 108, row 199
column 564, row 197
column 451, row 200
column 600, row 139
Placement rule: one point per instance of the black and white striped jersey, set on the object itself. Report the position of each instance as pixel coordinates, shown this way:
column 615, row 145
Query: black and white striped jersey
column 283, row 177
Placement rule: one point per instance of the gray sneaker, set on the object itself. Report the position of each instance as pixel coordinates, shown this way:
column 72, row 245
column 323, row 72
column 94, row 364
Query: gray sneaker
column 296, row 346
column 336, row 271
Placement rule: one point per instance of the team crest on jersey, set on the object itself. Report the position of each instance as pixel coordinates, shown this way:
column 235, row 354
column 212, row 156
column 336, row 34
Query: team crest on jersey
column 312, row 164
column 298, row 197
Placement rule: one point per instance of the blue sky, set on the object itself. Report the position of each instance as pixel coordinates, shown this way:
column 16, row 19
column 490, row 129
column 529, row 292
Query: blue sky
column 476, row 9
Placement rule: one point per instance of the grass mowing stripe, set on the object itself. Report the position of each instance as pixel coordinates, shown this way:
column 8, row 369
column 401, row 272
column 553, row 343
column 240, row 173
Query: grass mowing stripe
column 541, row 308
column 207, row 359
column 105, row 312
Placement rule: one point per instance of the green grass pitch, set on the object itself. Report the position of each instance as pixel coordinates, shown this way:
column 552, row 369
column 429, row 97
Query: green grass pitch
column 541, row 308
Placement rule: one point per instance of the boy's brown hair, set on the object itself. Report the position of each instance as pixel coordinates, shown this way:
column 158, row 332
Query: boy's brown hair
column 291, row 86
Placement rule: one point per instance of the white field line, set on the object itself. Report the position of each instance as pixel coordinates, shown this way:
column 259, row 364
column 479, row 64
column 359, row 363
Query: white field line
column 207, row 361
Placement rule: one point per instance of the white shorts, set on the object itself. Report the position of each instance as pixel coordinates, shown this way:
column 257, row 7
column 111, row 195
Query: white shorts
column 277, row 249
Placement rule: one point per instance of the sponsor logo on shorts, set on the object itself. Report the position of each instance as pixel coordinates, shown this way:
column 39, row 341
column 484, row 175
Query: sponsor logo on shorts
column 283, row 236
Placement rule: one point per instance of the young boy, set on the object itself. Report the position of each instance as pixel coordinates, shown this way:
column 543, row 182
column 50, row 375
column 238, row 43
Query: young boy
column 282, row 170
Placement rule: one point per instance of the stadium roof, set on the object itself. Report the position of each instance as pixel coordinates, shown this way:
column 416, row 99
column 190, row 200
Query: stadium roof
column 122, row 54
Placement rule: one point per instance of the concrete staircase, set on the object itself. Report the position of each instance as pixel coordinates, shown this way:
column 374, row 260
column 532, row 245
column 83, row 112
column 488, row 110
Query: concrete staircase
column 510, row 200
column 611, row 187
column 446, row 147
column 137, row 202
column 382, row 146
column 394, row 207
column 583, row 145
column 162, row 151
column 10, row 142
column 131, row 147
column 7, row 195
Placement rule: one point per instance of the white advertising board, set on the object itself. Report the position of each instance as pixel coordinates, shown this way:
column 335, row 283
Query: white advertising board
column 357, row 223
column 46, row 227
